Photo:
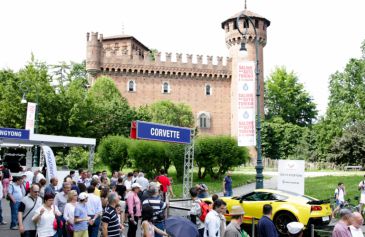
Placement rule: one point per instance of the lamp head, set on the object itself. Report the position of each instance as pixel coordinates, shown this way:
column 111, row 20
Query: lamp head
column 24, row 100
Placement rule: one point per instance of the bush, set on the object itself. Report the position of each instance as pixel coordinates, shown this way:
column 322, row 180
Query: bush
column 113, row 152
column 77, row 158
column 218, row 154
column 176, row 154
column 149, row 156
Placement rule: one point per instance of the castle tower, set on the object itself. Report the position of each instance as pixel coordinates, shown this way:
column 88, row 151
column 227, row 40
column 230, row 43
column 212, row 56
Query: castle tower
column 233, row 40
column 94, row 45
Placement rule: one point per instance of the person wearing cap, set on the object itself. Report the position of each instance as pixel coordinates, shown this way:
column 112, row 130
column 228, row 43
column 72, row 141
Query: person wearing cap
column 356, row 224
column 94, row 211
column 234, row 227
column 142, row 181
column 81, row 219
column 266, row 227
column 158, row 206
column 342, row 226
column 295, row 229
column 134, row 209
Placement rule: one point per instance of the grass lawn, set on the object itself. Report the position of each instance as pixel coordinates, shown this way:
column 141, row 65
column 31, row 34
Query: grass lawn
column 324, row 187
column 214, row 186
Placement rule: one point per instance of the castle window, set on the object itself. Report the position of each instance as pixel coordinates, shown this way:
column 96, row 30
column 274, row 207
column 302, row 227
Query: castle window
column 264, row 26
column 131, row 86
column 166, row 88
column 203, row 120
column 208, row 89
column 256, row 23
column 235, row 25
column 246, row 24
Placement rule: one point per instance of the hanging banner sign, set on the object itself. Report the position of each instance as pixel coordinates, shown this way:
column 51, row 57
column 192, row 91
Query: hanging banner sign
column 13, row 133
column 291, row 176
column 246, row 104
column 162, row 132
column 50, row 162
column 29, row 123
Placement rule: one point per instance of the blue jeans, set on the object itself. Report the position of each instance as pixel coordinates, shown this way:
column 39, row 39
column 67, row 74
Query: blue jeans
column 161, row 226
column 229, row 193
column 1, row 211
column 14, row 213
column 94, row 229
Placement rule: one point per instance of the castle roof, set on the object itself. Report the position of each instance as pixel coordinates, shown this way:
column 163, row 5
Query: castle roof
column 116, row 37
column 247, row 13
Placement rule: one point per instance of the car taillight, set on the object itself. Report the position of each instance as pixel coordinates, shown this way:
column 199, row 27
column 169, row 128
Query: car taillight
column 316, row 208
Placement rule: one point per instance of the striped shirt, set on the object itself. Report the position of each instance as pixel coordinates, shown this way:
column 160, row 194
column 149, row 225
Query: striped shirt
column 158, row 207
column 110, row 216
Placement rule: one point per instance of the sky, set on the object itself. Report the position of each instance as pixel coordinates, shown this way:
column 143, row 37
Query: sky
column 313, row 38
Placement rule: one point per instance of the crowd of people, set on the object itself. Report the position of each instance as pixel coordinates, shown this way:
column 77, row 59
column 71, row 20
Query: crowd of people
column 88, row 206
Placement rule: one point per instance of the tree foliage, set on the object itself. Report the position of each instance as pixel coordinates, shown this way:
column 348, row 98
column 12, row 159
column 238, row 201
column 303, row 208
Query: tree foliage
column 286, row 98
column 349, row 149
column 167, row 112
column 149, row 156
column 111, row 112
column 218, row 154
column 113, row 151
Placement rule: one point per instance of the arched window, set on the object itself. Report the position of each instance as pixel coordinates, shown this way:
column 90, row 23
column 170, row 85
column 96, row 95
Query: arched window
column 131, row 86
column 208, row 89
column 165, row 88
column 203, row 120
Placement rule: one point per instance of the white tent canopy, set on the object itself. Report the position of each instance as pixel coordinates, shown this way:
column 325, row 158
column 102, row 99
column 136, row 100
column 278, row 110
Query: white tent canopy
column 48, row 140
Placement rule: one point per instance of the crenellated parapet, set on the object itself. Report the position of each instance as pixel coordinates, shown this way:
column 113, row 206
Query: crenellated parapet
column 180, row 66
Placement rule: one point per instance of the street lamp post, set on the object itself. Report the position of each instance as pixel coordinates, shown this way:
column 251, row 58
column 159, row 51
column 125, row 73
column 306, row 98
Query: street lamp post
column 259, row 166
column 25, row 89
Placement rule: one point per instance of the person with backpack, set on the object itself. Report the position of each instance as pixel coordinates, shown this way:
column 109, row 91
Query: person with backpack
column 361, row 187
column 340, row 198
column 213, row 220
column 196, row 212
column 158, row 206
column 26, row 211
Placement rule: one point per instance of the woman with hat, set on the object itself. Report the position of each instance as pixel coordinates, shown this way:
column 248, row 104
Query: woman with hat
column 234, row 228
column 295, row 229
column 134, row 209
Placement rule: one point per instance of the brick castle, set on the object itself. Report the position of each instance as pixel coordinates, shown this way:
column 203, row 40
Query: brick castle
column 209, row 88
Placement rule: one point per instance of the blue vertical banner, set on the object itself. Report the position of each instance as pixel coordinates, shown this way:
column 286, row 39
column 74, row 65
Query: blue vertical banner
column 163, row 133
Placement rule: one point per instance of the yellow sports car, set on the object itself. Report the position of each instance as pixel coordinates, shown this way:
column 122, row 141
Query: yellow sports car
column 287, row 207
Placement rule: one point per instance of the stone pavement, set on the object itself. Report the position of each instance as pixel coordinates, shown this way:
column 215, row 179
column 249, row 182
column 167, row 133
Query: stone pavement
column 4, row 229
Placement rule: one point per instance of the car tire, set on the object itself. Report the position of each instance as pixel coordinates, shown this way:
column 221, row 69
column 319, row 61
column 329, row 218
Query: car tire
column 281, row 219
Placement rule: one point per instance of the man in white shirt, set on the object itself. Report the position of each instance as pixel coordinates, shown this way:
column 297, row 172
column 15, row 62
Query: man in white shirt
column 94, row 211
column 213, row 220
column 340, row 198
column 29, row 175
column 128, row 182
column 37, row 176
column 356, row 223
column 361, row 187
column 141, row 180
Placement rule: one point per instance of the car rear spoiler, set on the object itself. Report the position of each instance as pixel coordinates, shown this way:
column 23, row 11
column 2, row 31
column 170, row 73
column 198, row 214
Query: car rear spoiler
column 318, row 202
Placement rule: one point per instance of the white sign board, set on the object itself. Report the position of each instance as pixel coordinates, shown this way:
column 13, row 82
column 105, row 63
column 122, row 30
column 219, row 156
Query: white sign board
column 291, row 176
column 29, row 123
column 246, row 113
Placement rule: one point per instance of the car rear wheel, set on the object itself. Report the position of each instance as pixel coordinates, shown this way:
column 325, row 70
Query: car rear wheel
column 281, row 219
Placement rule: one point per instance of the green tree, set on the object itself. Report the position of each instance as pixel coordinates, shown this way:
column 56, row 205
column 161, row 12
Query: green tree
column 77, row 158
column 218, row 154
column 167, row 112
column 281, row 140
column 346, row 104
column 285, row 97
column 149, row 156
column 111, row 113
column 176, row 152
column 349, row 149
column 113, row 151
